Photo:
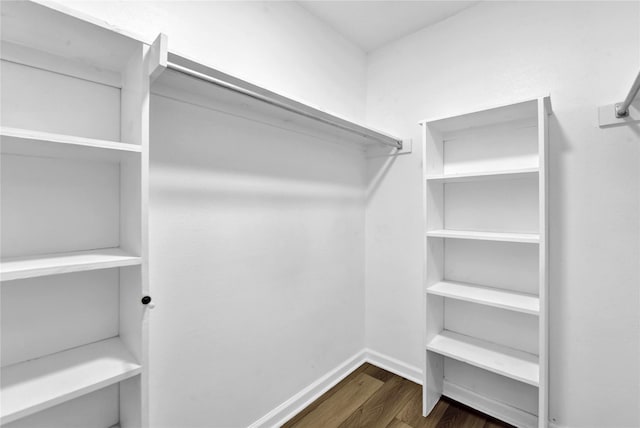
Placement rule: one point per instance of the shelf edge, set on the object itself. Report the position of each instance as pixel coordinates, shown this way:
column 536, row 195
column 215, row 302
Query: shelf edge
column 489, row 236
column 495, row 370
column 134, row 369
column 69, row 140
column 514, row 308
column 62, row 268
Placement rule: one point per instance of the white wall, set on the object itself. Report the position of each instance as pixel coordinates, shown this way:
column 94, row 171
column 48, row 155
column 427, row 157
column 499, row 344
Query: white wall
column 277, row 45
column 585, row 54
column 257, row 248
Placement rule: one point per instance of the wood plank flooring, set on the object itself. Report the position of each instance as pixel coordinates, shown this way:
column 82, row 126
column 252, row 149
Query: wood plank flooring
column 373, row 397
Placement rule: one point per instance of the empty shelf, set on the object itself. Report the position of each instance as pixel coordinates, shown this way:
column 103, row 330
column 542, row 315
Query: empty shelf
column 35, row 385
column 53, row 264
column 532, row 238
column 484, row 176
column 488, row 116
column 513, row 301
column 499, row 410
column 45, row 144
column 504, row 361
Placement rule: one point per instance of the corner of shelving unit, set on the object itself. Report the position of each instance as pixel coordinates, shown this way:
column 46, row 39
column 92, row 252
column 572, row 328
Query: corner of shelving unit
column 547, row 104
column 158, row 53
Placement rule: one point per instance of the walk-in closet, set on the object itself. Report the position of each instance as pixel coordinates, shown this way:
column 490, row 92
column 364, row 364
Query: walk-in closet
column 331, row 214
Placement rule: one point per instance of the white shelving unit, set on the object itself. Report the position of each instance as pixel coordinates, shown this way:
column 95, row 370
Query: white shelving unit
column 485, row 261
column 74, row 153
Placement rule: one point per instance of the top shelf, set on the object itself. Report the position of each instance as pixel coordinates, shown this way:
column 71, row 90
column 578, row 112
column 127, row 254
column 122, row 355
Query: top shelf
column 45, row 29
column 485, row 117
column 45, row 144
column 198, row 84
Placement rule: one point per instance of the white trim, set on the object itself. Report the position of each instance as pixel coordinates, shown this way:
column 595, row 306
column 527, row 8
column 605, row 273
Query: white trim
column 298, row 402
column 393, row 365
column 294, row 405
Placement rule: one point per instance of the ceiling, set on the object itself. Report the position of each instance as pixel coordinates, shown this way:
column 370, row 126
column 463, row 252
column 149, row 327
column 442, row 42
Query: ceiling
column 373, row 23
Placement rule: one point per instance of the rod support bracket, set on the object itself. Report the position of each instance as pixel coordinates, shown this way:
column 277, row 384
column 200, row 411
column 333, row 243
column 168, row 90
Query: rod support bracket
column 609, row 115
column 621, row 114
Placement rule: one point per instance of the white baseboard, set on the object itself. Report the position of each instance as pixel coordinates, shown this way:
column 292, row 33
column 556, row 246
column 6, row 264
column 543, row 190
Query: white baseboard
column 294, row 405
column 393, row 365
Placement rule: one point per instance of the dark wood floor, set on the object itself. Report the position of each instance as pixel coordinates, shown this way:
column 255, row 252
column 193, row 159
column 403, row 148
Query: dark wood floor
column 373, row 397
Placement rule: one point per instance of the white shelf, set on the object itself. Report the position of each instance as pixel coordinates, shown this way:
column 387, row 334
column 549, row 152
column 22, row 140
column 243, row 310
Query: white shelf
column 504, row 361
column 488, row 116
column 178, row 85
column 36, row 143
column 529, row 238
column 54, row 29
column 492, row 407
column 510, row 300
column 485, row 175
column 35, row 385
column 58, row 263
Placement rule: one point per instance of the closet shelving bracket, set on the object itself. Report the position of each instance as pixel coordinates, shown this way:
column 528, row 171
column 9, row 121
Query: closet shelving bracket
column 624, row 112
column 164, row 59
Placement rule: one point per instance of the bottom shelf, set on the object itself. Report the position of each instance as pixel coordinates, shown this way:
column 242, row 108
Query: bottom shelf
column 38, row 384
column 494, row 408
column 504, row 361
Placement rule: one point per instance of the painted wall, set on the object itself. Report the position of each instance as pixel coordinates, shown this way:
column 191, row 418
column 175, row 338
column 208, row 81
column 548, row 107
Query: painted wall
column 257, row 248
column 494, row 53
column 277, row 45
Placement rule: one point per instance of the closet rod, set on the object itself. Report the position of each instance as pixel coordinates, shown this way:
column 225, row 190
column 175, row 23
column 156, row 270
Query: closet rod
column 622, row 109
column 288, row 105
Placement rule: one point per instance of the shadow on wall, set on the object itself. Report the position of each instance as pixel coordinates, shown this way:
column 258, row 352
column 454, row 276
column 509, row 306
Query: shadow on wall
column 380, row 162
column 233, row 156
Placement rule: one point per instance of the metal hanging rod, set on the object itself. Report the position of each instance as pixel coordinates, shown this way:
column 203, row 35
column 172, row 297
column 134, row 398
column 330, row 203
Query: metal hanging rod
column 236, row 85
column 622, row 109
